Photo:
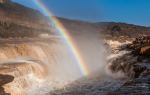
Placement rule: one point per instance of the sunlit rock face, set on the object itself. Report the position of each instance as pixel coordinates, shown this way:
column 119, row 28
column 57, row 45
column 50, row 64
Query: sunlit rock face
column 34, row 65
column 25, row 64
column 41, row 67
column 34, row 60
column 38, row 66
column 25, row 76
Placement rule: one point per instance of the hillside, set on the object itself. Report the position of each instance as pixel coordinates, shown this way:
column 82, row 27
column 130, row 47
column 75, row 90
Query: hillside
column 19, row 21
column 108, row 30
column 35, row 60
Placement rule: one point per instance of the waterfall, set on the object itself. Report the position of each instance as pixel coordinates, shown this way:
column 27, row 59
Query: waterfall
column 37, row 66
column 40, row 67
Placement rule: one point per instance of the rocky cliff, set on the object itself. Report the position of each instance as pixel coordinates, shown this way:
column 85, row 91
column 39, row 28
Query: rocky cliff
column 35, row 64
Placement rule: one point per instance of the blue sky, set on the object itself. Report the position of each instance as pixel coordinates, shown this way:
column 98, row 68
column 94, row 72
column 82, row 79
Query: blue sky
column 130, row 11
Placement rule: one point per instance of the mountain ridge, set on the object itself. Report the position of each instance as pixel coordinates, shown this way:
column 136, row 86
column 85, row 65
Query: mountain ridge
column 32, row 23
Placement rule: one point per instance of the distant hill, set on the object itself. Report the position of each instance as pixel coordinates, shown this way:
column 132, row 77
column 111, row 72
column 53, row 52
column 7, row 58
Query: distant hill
column 108, row 30
column 122, row 29
column 19, row 21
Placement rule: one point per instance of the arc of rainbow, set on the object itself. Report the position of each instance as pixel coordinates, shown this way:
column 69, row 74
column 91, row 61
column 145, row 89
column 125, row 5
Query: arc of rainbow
column 64, row 33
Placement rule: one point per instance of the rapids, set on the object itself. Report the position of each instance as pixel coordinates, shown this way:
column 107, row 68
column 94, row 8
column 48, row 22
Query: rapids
column 36, row 65
column 42, row 67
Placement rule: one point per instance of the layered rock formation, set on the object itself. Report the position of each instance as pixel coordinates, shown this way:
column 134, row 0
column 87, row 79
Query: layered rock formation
column 30, row 52
column 32, row 65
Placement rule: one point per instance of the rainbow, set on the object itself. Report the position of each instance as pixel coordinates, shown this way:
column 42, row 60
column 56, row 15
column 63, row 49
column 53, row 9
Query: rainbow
column 66, row 36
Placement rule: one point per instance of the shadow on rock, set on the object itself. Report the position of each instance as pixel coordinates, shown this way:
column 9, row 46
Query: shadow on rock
column 4, row 79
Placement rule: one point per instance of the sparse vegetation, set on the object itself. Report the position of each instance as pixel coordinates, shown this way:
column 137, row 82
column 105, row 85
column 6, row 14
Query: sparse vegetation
column 12, row 30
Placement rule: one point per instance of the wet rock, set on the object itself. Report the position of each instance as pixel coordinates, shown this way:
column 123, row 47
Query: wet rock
column 4, row 79
column 139, row 86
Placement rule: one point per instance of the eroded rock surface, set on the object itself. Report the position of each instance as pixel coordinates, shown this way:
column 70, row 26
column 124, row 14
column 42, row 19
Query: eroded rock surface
column 5, row 79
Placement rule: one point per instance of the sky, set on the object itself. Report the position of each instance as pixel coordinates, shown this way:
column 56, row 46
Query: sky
column 129, row 11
